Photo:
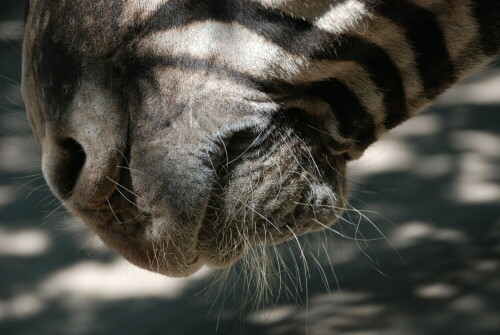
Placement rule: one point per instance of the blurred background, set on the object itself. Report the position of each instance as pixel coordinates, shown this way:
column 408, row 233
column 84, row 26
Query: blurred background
column 429, row 202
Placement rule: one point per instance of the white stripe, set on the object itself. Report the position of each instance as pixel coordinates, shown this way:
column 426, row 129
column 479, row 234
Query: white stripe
column 344, row 17
column 137, row 10
column 226, row 43
column 337, row 16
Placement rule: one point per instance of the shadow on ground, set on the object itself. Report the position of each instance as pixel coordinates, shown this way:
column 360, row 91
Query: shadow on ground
column 433, row 181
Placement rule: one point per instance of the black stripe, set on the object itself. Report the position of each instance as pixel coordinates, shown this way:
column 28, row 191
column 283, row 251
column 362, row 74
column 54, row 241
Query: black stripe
column 487, row 14
column 297, row 36
column 354, row 121
column 425, row 35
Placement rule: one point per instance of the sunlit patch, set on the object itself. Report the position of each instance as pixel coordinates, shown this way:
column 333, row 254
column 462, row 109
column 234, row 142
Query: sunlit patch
column 115, row 281
column 482, row 142
column 141, row 9
column 421, row 125
column 366, row 310
column 433, row 166
column 13, row 119
column 15, row 150
column 11, row 30
column 22, row 306
column 273, row 315
column 411, row 233
column 477, row 180
column 469, row 303
column 487, row 265
column 345, row 298
column 482, row 92
column 474, row 192
column 386, row 155
column 390, row 154
column 436, row 291
column 7, row 195
column 475, row 164
column 24, row 243
column 89, row 282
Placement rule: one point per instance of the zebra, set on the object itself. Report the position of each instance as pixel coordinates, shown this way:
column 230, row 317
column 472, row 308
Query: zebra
column 187, row 132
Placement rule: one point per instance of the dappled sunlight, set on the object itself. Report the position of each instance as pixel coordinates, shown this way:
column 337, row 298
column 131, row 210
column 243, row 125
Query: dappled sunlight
column 94, row 282
column 273, row 315
column 471, row 190
column 21, row 307
column 480, row 92
column 15, row 153
column 436, row 291
column 23, row 243
column 433, row 166
column 114, row 281
column 7, row 195
column 389, row 155
column 422, row 125
column 11, row 30
column 480, row 142
column 421, row 257
column 479, row 177
column 412, row 233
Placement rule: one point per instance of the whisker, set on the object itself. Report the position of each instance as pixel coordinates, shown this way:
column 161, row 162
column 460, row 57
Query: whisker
column 112, row 211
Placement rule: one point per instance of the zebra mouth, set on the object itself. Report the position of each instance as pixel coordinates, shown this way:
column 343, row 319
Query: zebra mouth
column 149, row 243
column 141, row 238
column 229, row 226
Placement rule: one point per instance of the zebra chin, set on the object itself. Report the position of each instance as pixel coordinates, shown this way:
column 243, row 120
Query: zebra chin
column 158, row 244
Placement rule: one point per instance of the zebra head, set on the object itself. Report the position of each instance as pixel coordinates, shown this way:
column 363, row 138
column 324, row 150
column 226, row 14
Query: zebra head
column 185, row 132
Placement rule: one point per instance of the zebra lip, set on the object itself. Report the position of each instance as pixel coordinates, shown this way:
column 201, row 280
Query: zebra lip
column 142, row 240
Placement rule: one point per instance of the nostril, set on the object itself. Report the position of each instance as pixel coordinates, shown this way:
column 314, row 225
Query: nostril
column 68, row 166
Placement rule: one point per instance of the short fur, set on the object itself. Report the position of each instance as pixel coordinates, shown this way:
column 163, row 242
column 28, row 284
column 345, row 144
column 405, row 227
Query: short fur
column 184, row 132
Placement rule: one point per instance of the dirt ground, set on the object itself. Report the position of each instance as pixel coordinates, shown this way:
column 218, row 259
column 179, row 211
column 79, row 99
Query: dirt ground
column 431, row 187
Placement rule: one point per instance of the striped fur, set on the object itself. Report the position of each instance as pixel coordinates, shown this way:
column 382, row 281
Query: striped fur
column 228, row 123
